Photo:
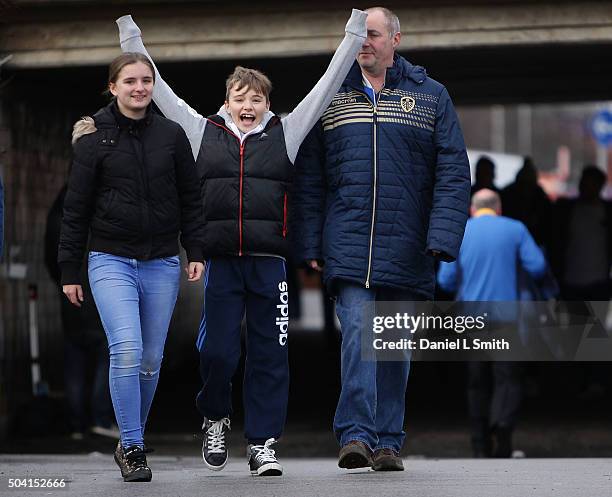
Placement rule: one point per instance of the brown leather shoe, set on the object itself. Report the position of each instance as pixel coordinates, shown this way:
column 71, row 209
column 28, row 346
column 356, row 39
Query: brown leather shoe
column 387, row 460
column 355, row 454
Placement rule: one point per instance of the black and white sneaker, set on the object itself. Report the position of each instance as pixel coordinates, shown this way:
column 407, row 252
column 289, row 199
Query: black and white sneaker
column 132, row 462
column 262, row 461
column 214, row 451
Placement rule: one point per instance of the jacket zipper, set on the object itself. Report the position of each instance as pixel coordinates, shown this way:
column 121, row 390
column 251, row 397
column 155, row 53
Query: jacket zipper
column 367, row 282
column 240, row 208
column 241, row 143
column 285, row 216
column 146, row 216
column 374, row 187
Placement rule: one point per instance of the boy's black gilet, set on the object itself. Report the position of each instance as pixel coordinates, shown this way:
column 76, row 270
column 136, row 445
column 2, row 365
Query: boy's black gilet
column 245, row 190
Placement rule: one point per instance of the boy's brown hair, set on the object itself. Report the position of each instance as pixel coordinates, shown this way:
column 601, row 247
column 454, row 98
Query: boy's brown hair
column 252, row 79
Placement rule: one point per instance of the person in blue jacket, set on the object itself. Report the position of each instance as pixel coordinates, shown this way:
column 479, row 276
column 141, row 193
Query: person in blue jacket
column 494, row 248
column 382, row 189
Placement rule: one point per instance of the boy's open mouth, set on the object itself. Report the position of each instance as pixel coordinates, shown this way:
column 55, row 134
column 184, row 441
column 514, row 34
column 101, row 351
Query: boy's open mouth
column 247, row 119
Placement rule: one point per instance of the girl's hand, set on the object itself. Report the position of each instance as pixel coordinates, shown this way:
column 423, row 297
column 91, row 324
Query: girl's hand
column 74, row 293
column 194, row 271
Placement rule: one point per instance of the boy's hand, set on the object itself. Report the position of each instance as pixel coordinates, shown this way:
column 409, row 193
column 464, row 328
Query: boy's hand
column 127, row 28
column 194, row 271
column 357, row 23
column 314, row 264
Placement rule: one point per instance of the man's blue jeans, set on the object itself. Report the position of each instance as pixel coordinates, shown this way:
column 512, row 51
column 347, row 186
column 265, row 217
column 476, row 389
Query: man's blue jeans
column 372, row 400
column 135, row 300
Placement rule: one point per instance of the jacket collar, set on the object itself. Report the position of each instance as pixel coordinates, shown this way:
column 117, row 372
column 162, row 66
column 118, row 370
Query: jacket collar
column 128, row 123
column 227, row 119
column 485, row 212
column 401, row 69
column 224, row 119
column 110, row 116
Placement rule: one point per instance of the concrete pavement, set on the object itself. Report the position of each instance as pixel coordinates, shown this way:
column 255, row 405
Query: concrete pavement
column 96, row 475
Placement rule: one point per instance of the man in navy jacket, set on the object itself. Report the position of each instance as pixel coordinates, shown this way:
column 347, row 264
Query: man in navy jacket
column 382, row 190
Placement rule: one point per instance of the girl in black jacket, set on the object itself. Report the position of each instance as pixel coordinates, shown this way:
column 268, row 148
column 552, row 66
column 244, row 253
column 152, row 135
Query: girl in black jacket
column 132, row 188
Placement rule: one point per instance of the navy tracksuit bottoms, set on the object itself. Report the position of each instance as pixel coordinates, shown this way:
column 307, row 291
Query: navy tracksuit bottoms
column 257, row 285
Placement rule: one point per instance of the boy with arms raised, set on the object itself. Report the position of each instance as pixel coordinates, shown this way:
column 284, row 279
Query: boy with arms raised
column 245, row 155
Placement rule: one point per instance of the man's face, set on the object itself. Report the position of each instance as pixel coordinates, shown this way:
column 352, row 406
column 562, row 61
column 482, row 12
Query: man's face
column 247, row 107
column 377, row 51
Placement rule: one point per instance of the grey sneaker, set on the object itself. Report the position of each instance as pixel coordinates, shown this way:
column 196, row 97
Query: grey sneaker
column 262, row 460
column 214, row 451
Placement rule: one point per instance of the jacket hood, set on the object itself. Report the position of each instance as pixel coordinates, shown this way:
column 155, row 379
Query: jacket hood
column 107, row 117
column 83, row 126
column 400, row 69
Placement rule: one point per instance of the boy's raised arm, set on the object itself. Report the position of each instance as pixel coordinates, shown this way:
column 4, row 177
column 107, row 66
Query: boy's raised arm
column 169, row 103
column 299, row 122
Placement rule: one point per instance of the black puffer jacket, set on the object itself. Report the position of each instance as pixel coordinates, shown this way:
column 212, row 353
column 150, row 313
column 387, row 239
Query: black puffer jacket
column 134, row 186
column 245, row 190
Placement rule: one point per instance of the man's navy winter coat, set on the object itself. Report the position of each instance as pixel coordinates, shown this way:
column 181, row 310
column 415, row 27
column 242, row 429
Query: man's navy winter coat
column 381, row 187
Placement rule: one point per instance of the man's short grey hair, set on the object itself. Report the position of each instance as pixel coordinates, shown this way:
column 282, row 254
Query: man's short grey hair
column 486, row 199
column 393, row 24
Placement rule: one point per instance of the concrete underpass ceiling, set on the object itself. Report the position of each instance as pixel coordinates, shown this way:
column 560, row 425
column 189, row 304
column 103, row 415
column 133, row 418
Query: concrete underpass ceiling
column 493, row 51
column 473, row 76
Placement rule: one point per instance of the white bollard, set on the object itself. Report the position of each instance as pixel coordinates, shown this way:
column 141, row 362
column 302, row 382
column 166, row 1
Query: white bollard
column 33, row 315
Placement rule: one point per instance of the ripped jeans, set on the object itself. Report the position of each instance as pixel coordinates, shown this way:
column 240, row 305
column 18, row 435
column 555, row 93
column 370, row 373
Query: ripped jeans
column 135, row 300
